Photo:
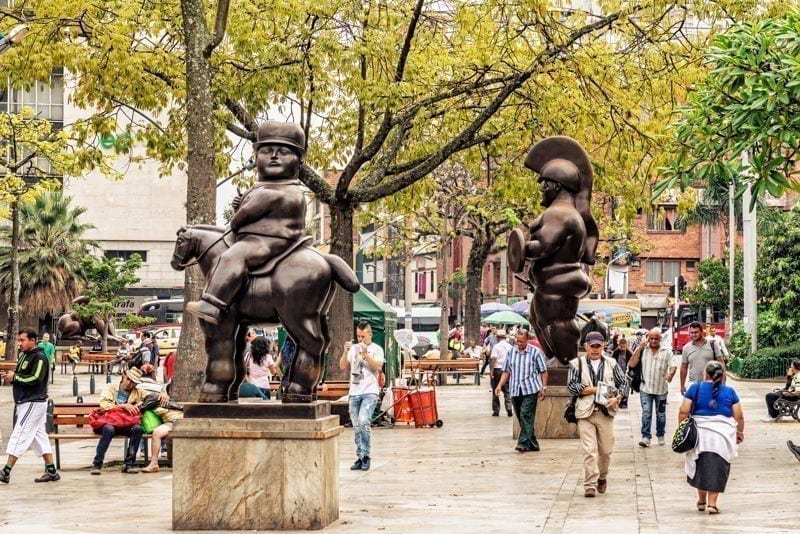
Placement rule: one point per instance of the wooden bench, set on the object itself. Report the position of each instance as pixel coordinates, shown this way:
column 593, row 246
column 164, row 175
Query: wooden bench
column 75, row 416
column 96, row 362
column 430, row 369
column 6, row 366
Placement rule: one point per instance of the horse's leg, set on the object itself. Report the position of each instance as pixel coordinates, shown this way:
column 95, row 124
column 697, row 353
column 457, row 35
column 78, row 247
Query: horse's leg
column 220, row 369
column 238, row 361
column 307, row 366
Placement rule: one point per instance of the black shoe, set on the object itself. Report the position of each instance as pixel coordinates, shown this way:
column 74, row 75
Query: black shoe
column 48, row 477
column 357, row 465
column 495, row 415
column 510, row 413
column 96, row 470
column 794, row 448
column 130, row 470
column 365, row 463
column 5, row 478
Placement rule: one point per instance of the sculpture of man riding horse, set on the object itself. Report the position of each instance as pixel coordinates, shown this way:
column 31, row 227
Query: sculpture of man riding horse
column 262, row 270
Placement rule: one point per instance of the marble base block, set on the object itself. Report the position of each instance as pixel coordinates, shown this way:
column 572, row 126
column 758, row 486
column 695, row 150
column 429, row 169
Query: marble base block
column 257, row 473
column 550, row 423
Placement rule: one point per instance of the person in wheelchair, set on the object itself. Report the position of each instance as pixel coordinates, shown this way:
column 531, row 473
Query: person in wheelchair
column 785, row 402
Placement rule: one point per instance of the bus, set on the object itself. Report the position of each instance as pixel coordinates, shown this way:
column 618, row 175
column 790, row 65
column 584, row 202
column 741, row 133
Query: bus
column 675, row 321
column 165, row 311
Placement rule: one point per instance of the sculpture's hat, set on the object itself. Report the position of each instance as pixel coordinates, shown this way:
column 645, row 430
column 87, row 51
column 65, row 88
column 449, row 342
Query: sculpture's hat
column 281, row 133
column 557, row 158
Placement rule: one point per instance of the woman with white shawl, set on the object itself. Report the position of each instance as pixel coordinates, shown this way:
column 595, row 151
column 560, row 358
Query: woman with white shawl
column 720, row 428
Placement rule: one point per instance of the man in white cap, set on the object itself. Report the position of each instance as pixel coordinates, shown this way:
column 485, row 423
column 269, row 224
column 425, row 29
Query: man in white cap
column 123, row 396
column 498, row 361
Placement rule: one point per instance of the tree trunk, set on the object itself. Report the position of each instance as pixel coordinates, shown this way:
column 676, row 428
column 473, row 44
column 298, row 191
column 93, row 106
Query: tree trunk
column 13, row 302
column 341, row 314
column 201, row 190
column 444, row 286
column 481, row 247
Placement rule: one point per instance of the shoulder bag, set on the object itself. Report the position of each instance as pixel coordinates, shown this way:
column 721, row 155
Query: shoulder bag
column 686, row 435
column 569, row 408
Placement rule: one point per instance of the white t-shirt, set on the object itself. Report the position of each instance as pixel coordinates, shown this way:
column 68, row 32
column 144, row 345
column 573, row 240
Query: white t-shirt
column 368, row 381
column 473, row 352
column 499, row 353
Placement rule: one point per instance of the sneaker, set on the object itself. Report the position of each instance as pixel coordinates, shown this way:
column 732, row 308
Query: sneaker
column 365, row 463
column 96, row 470
column 4, row 478
column 495, row 415
column 769, row 419
column 661, row 440
column 48, row 477
column 356, row 466
column 645, row 442
column 130, row 470
column 602, row 485
column 510, row 413
column 590, row 492
column 794, row 448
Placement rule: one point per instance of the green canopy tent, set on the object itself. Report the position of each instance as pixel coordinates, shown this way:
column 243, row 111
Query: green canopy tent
column 506, row 317
column 383, row 320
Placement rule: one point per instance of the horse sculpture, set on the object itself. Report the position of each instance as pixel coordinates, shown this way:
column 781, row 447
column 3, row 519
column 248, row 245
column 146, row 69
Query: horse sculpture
column 296, row 290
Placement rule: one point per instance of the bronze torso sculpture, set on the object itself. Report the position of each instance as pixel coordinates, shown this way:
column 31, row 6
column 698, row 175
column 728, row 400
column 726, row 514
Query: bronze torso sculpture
column 563, row 239
column 262, row 271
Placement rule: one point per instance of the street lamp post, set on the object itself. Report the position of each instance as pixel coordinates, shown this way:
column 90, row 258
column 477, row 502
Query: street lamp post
column 16, row 35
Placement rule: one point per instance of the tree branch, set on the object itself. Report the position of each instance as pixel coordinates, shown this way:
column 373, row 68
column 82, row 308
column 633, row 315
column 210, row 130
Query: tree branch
column 243, row 116
column 219, row 27
column 317, row 184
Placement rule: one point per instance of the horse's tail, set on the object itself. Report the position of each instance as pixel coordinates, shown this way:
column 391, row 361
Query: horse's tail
column 342, row 273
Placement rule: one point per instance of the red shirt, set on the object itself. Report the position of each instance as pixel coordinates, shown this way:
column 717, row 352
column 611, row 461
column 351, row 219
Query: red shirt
column 169, row 366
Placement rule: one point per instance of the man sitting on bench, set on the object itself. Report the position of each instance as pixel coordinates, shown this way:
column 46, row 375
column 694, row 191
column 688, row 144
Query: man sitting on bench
column 124, row 395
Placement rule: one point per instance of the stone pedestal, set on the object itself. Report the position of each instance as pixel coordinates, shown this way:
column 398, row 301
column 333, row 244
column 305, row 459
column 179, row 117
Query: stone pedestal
column 550, row 423
column 255, row 467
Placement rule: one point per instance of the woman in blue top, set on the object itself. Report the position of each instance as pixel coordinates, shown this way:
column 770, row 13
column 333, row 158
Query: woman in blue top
column 720, row 427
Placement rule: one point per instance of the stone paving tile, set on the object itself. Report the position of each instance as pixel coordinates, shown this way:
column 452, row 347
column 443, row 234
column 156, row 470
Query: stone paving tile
column 463, row 477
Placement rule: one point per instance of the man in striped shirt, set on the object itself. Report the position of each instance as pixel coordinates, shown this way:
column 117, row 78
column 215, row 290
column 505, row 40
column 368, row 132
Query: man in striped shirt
column 657, row 372
column 527, row 370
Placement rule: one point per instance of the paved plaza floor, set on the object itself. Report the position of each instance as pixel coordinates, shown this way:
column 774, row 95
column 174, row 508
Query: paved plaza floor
column 463, row 477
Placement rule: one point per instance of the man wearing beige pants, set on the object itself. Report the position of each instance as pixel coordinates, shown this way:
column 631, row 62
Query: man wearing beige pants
column 588, row 375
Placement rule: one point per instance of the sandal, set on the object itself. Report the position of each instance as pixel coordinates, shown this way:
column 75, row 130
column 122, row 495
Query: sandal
column 151, row 469
column 701, row 506
column 712, row 509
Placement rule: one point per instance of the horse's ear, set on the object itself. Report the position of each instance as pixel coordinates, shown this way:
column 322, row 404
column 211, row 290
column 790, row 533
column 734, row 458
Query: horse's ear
column 181, row 230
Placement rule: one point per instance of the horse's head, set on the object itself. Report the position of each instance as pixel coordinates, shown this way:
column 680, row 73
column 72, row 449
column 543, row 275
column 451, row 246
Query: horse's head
column 184, row 249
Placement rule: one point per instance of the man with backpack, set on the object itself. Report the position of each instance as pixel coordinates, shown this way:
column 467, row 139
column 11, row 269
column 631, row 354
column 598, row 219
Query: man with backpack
column 696, row 356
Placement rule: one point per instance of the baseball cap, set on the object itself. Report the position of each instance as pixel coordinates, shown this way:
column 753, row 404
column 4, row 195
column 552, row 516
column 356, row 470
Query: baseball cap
column 595, row 338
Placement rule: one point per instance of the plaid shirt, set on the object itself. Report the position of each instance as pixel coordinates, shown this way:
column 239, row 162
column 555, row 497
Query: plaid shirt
column 525, row 368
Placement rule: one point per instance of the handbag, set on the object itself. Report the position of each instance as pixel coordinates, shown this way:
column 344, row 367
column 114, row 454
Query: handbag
column 686, row 435
column 150, row 421
column 569, row 408
column 119, row 419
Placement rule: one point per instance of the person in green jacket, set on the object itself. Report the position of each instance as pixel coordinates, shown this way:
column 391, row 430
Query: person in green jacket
column 48, row 348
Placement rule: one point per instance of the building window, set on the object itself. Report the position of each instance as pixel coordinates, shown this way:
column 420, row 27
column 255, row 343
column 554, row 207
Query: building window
column 125, row 255
column 46, row 99
column 663, row 219
column 662, row 271
column 691, row 265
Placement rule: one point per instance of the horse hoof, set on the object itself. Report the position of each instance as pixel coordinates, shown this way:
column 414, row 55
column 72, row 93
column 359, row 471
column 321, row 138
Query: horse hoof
column 297, row 393
column 212, row 393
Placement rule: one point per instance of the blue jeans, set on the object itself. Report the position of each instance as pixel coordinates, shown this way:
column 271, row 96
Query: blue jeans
column 107, row 434
column 660, row 403
column 361, row 409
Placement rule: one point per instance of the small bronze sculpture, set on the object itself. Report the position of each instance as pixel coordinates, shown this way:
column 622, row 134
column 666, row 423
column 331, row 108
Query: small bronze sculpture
column 73, row 326
column 262, row 270
column 563, row 239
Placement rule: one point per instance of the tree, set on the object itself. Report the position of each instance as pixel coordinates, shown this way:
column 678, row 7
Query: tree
column 778, row 280
column 388, row 90
column 51, row 247
column 747, row 104
column 28, row 141
column 712, row 289
column 106, row 279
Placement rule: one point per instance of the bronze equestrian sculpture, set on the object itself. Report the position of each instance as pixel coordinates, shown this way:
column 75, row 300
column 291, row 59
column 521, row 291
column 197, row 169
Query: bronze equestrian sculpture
column 562, row 240
column 262, row 270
